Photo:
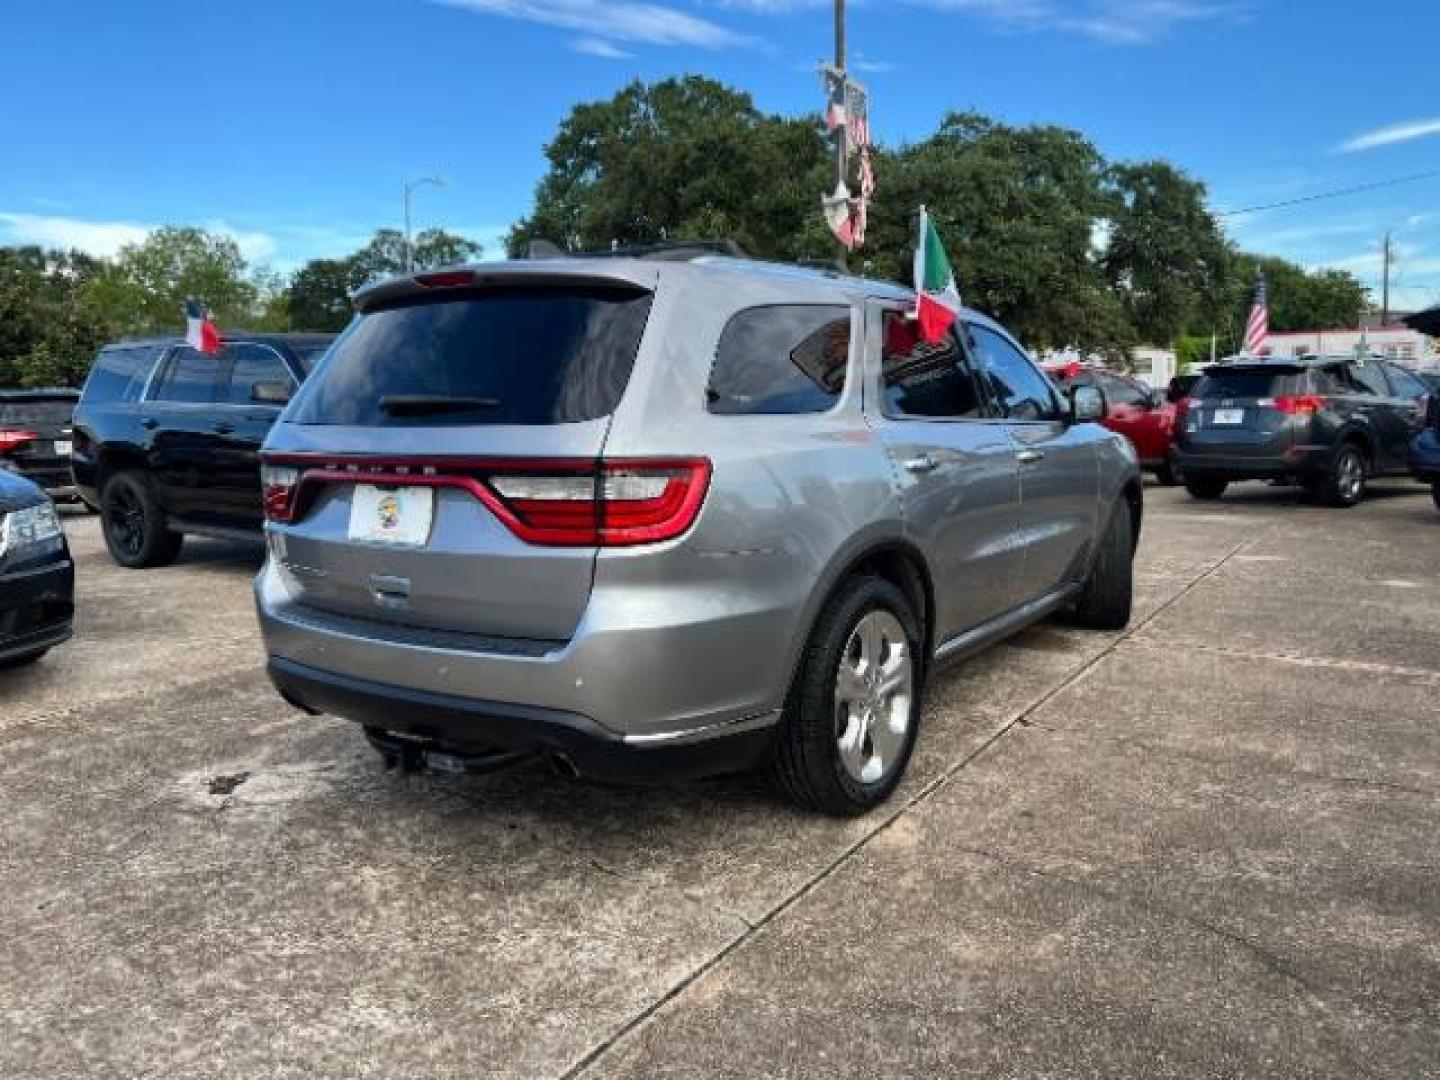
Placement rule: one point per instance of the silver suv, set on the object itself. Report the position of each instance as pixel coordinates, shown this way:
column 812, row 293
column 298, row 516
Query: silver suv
column 666, row 517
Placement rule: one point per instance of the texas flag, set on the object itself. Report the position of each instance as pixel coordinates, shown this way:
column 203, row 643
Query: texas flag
column 200, row 332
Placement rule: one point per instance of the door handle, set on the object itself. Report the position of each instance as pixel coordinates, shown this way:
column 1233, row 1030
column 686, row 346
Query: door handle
column 922, row 464
column 1029, row 457
column 149, row 423
column 222, row 428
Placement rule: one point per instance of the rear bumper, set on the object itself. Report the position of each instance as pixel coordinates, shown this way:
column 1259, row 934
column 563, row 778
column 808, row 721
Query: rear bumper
column 456, row 723
column 647, row 670
column 1295, row 461
column 36, row 608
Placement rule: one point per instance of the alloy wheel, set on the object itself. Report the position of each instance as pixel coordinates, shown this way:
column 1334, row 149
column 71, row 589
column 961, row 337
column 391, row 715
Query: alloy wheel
column 125, row 520
column 874, row 687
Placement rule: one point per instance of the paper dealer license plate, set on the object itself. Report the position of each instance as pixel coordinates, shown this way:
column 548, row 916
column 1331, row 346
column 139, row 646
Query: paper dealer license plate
column 62, row 447
column 1229, row 416
column 398, row 515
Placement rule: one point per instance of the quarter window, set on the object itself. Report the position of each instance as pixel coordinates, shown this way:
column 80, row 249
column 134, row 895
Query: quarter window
column 923, row 378
column 190, row 376
column 781, row 359
column 1021, row 391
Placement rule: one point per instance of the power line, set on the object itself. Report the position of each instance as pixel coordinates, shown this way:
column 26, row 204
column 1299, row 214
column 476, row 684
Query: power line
column 1433, row 173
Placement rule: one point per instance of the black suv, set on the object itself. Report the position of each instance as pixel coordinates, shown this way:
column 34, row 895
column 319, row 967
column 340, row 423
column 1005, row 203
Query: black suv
column 167, row 439
column 35, row 437
column 1327, row 422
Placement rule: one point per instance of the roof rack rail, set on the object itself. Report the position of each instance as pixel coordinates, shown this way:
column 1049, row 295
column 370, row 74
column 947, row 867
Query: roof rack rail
column 662, row 250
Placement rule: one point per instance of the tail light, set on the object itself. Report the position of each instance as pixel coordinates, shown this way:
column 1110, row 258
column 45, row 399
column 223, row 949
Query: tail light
column 1300, row 404
column 617, row 502
column 9, row 440
column 279, row 485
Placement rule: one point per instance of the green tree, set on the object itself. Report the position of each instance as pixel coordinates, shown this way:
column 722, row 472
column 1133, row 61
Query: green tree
column 48, row 331
column 1166, row 257
column 685, row 157
column 1299, row 299
column 318, row 296
column 145, row 289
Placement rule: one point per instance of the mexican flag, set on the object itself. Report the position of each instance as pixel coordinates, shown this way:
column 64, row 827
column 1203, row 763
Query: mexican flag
column 937, row 300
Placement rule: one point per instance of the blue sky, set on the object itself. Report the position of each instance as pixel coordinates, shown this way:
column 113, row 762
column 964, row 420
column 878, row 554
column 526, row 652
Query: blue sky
column 293, row 123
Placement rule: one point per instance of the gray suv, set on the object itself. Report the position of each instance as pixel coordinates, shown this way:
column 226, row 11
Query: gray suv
column 660, row 518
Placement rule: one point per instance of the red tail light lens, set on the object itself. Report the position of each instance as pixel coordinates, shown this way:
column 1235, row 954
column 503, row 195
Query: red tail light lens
column 618, row 504
column 279, row 485
column 445, row 279
column 1299, row 404
column 9, row 440
column 609, row 503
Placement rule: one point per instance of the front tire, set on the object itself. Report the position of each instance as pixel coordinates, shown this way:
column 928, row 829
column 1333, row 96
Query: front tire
column 1205, row 487
column 1169, row 475
column 1107, row 596
column 1343, row 484
column 133, row 523
column 851, row 718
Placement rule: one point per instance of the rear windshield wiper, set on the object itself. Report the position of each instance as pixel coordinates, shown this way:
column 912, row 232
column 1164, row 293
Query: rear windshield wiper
column 427, row 404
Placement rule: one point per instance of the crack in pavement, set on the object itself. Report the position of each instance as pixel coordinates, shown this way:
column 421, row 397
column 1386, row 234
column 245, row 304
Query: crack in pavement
column 925, row 792
column 1331, row 663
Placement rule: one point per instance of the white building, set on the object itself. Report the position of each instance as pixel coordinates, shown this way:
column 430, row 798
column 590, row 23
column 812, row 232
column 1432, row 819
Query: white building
column 1397, row 343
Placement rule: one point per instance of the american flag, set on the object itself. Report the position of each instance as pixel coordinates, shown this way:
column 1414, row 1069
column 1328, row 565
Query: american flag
column 1258, row 328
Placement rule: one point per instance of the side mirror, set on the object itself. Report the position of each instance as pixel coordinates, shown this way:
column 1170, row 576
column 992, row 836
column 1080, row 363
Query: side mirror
column 1087, row 404
column 270, row 392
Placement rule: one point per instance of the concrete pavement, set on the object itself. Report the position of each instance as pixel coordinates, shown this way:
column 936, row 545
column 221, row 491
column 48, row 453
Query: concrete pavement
column 1204, row 847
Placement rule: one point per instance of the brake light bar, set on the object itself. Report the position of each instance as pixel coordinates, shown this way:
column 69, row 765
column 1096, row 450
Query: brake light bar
column 445, row 279
column 9, row 440
column 612, row 502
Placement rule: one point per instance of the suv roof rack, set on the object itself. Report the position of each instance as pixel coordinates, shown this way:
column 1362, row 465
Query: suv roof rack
column 662, row 250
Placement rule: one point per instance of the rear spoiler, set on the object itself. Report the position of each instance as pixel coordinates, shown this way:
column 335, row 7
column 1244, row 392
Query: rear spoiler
column 558, row 273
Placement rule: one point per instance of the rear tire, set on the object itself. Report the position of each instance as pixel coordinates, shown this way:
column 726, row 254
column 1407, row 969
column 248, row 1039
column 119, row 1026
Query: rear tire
column 1205, row 487
column 843, row 742
column 24, row 660
column 1169, row 474
column 1343, row 484
column 133, row 523
column 1108, row 593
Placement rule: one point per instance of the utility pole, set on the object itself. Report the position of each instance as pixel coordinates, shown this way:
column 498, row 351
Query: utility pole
column 1385, row 288
column 410, row 186
column 843, row 133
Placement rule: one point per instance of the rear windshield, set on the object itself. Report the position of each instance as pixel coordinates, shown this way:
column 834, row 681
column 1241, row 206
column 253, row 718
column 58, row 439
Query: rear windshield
column 504, row 356
column 36, row 412
column 1247, row 383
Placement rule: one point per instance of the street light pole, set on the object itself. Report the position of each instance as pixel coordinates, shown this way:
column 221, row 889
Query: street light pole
column 410, row 186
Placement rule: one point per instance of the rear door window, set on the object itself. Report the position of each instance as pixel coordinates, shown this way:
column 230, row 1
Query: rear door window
column 1369, row 379
column 788, row 358
column 249, row 364
column 529, row 356
column 926, row 379
column 189, row 377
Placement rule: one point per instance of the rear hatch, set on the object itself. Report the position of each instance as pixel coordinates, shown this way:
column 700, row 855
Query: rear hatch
column 35, row 433
column 416, row 462
column 1238, row 410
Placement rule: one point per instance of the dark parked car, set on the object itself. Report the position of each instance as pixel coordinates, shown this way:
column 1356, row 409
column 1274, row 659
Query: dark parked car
column 37, row 580
column 1327, row 422
column 167, row 439
column 35, row 437
column 1425, row 451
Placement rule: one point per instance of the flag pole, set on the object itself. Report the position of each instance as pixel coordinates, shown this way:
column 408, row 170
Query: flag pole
column 841, row 149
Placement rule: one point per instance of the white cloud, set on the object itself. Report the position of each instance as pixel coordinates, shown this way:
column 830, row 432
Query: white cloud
column 106, row 238
column 621, row 20
column 1390, row 134
column 96, row 237
column 606, row 50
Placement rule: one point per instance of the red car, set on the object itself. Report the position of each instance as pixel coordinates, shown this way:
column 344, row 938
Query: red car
column 1142, row 415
